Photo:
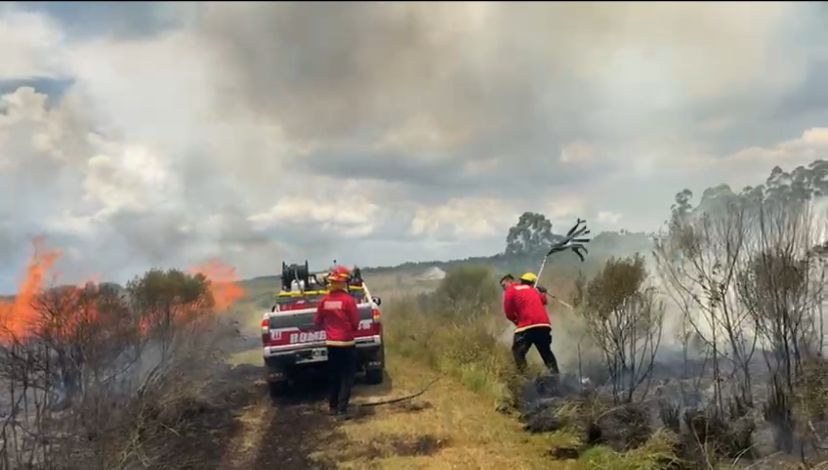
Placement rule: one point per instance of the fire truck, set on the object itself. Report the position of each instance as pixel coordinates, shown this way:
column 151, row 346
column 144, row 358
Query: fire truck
column 294, row 347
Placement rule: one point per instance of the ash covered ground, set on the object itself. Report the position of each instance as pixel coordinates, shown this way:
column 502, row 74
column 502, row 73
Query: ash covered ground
column 679, row 398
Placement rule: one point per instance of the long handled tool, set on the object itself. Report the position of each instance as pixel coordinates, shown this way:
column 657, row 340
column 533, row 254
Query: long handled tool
column 565, row 304
column 572, row 241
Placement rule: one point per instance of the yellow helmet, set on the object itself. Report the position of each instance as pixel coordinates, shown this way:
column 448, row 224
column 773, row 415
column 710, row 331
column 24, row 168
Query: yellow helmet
column 529, row 277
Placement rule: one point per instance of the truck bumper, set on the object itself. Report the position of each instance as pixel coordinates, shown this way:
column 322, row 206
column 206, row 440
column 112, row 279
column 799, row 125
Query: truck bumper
column 281, row 363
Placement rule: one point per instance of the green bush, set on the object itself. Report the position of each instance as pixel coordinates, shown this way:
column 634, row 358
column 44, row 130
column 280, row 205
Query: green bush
column 467, row 292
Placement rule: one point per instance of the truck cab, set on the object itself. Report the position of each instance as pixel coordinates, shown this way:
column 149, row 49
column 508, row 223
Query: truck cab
column 292, row 345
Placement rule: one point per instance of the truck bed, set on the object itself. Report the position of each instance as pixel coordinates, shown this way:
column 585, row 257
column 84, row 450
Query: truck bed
column 293, row 330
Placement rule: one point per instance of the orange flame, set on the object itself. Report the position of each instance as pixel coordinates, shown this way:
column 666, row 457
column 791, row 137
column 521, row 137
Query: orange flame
column 18, row 316
column 145, row 326
column 223, row 283
column 82, row 313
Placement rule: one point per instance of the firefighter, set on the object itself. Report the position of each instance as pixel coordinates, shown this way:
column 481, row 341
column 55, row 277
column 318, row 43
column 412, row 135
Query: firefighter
column 507, row 281
column 525, row 306
column 337, row 313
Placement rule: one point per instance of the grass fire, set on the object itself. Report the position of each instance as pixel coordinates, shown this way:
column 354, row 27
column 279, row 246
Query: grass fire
column 84, row 366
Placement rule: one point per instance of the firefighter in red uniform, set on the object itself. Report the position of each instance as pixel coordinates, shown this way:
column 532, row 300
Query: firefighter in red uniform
column 337, row 313
column 525, row 306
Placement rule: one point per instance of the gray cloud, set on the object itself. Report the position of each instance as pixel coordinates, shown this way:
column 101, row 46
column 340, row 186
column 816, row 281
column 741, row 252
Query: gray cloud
column 435, row 182
column 382, row 132
column 366, row 71
column 488, row 83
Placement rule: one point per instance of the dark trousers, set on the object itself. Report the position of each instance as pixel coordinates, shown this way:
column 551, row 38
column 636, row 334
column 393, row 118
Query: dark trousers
column 342, row 367
column 541, row 338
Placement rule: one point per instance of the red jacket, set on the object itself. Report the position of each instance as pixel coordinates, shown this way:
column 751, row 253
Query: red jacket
column 525, row 307
column 337, row 313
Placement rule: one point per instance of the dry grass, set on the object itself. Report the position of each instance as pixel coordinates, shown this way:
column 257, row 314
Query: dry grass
column 467, row 350
column 457, row 429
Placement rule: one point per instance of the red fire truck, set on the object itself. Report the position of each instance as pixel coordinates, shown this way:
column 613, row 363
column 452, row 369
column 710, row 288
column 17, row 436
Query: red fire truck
column 293, row 345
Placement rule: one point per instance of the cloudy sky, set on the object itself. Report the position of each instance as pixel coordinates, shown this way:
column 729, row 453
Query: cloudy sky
column 145, row 135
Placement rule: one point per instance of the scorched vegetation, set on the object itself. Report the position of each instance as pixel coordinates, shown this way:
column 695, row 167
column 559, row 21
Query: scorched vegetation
column 708, row 350
column 100, row 376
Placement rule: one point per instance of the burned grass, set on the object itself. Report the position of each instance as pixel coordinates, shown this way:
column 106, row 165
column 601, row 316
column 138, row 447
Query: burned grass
column 591, row 432
column 621, row 428
column 194, row 432
column 295, row 438
column 237, row 425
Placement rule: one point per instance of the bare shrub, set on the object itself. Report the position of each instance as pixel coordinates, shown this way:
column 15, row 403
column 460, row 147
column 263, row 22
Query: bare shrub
column 748, row 272
column 699, row 261
column 670, row 414
column 779, row 290
column 811, row 402
column 625, row 320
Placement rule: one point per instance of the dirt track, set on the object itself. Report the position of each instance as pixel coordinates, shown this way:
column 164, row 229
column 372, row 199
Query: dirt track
column 291, row 432
column 448, row 427
column 278, row 434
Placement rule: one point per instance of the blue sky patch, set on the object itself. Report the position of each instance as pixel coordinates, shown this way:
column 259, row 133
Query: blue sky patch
column 54, row 88
column 114, row 19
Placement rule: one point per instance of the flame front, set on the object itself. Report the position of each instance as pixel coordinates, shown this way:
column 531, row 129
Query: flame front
column 18, row 317
column 223, row 283
column 81, row 315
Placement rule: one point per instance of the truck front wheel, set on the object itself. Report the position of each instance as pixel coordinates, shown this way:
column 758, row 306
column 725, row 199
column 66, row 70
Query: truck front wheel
column 374, row 376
